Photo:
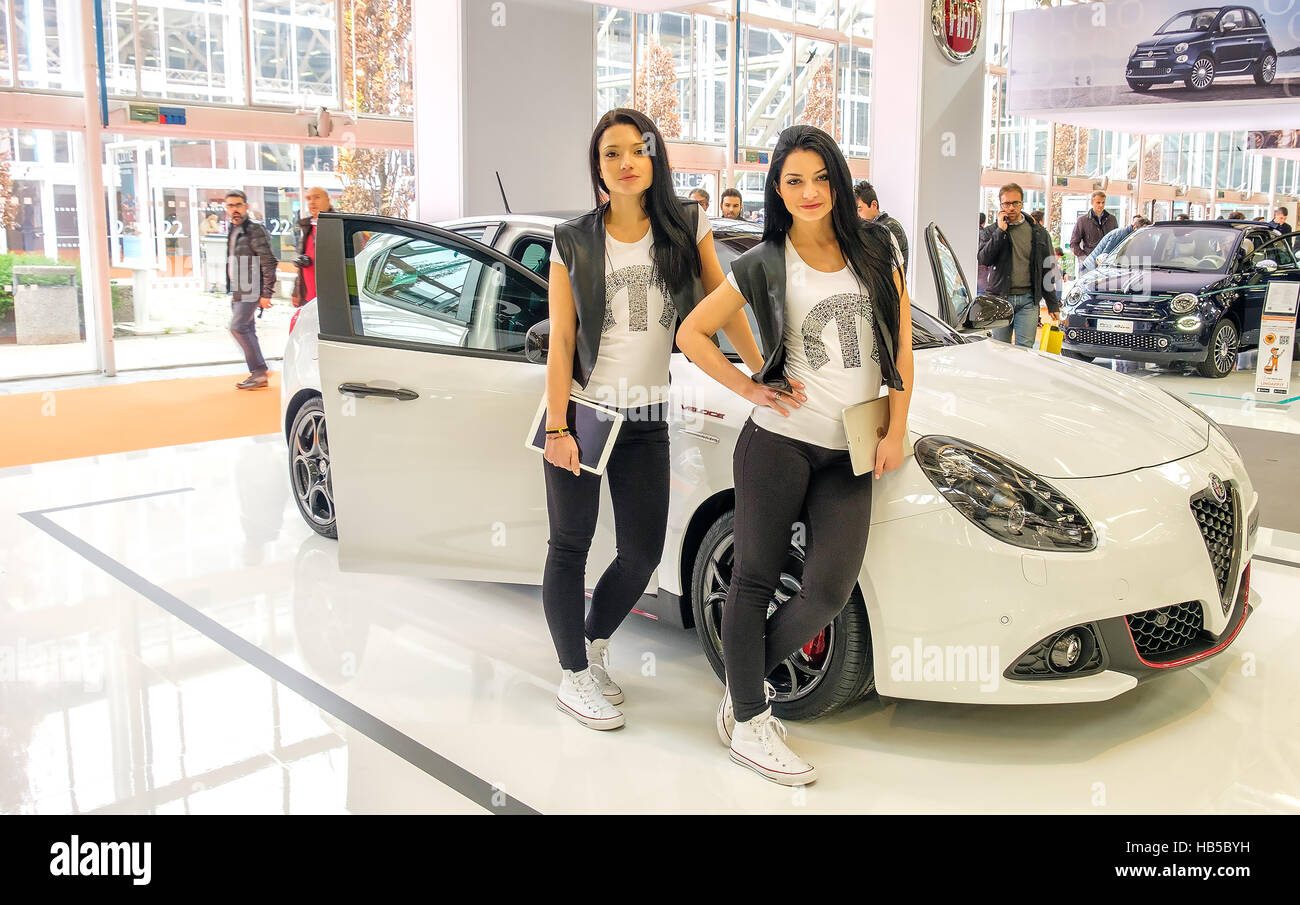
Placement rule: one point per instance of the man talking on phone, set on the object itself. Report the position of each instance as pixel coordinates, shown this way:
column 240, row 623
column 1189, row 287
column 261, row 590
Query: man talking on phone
column 1021, row 262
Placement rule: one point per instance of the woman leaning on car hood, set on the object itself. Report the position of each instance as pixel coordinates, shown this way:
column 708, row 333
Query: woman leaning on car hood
column 829, row 296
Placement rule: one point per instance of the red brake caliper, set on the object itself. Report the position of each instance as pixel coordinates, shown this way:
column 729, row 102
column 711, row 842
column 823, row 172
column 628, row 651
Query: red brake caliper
column 815, row 649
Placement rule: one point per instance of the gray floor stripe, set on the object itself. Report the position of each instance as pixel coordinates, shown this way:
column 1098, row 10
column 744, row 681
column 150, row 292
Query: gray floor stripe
column 449, row 774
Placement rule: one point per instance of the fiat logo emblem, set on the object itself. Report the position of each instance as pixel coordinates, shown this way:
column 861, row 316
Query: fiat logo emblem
column 1117, row 307
column 1216, row 487
column 1162, row 619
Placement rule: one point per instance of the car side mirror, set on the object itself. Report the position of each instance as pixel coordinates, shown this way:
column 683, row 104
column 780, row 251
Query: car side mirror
column 537, row 342
column 1228, row 26
column 987, row 312
column 1267, row 265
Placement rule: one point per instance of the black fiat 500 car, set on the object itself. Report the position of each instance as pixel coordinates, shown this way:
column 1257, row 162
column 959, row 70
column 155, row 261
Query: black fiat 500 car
column 1179, row 291
column 1198, row 45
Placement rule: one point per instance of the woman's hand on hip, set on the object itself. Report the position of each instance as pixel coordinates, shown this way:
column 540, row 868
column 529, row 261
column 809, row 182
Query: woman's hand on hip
column 777, row 399
column 562, row 452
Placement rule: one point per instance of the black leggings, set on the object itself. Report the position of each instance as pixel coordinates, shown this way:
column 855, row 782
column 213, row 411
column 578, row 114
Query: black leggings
column 780, row 481
column 638, row 486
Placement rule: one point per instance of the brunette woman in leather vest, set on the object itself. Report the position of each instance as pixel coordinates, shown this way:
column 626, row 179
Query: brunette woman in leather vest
column 621, row 277
column 818, row 265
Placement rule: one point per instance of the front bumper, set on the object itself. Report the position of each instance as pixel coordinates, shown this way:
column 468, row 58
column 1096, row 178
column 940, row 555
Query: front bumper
column 989, row 604
column 1155, row 341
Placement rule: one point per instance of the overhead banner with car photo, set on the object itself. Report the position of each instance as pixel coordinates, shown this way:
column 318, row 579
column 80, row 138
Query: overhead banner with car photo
column 1158, row 65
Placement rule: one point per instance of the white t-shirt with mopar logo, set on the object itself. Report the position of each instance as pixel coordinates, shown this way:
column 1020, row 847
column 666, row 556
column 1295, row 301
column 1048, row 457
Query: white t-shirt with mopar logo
column 636, row 338
column 830, row 346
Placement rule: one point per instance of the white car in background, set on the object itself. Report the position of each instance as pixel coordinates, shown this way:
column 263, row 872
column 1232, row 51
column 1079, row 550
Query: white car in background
column 1061, row 534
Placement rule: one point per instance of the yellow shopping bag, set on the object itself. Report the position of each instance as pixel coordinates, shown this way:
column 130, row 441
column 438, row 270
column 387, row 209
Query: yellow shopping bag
column 1050, row 339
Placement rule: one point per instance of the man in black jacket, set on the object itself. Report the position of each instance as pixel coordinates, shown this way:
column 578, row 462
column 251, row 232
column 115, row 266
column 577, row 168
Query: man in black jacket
column 869, row 209
column 1021, row 262
column 1089, row 228
column 250, row 279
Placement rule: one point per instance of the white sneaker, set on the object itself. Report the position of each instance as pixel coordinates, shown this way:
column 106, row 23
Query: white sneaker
column 759, row 744
column 598, row 663
column 580, row 698
column 726, row 721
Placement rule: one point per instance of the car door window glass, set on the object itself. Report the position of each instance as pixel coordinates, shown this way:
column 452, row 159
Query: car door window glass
column 440, row 293
column 534, row 253
column 1232, row 20
column 1279, row 252
column 1252, row 20
column 951, row 282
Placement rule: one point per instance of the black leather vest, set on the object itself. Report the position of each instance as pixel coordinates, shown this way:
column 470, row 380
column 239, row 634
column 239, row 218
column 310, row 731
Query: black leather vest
column 760, row 274
column 581, row 243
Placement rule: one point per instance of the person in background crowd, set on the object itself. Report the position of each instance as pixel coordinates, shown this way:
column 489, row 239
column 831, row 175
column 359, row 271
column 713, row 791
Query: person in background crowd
column 1040, row 217
column 1185, row 217
column 733, row 206
column 210, row 225
column 304, row 288
column 1236, row 215
column 1090, row 227
column 869, row 209
column 701, row 197
column 1279, row 217
column 981, row 272
column 1109, row 242
column 250, row 279
column 1058, row 272
column 1136, row 217
column 1018, row 253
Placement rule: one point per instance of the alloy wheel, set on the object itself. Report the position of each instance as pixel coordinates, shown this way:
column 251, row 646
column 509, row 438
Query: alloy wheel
column 311, row 470
column 1268, row 69
column 803, row 671
column 1225, row 348
column 1202, row 73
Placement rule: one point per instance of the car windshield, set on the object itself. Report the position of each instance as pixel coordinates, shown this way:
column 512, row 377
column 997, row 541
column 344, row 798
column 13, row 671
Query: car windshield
column 1197, row 249
column 1191, row 20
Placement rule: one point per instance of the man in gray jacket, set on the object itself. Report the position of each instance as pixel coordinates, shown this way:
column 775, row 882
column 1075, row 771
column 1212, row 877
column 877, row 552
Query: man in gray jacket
column 250, row 279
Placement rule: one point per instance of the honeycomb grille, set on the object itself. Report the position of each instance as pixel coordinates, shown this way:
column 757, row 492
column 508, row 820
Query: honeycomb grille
column 1218, row 524
column 1166, row 630
column 1145, row 342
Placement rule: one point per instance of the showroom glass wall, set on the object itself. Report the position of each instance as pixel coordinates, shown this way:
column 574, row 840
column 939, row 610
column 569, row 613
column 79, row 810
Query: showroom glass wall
column 165, row 193
column 784, row 61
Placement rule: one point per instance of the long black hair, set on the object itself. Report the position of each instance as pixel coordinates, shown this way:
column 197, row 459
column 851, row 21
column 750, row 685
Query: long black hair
column 866, row 245
column 676, row 256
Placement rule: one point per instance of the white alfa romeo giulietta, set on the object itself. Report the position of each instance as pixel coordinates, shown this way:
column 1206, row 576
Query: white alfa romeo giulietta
column 1061, row 533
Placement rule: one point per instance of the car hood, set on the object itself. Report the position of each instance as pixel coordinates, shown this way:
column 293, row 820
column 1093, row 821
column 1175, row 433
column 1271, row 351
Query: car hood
column 1123, row 280
column 1058, row 418
column 1169, row 40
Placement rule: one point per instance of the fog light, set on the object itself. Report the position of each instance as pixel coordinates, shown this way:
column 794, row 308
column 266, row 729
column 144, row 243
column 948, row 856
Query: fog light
column 1163, row 342
column 1065, row 651
column 1073, row 334
column 1182, row 59
column 1191, row 322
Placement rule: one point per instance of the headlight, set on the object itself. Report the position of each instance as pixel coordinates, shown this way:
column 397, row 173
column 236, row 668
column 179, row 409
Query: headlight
column 1134, row 51
column 1003, row 499
column 1074, row 296
column 1183, row 302
column 1179, row 48
column 1214, row 425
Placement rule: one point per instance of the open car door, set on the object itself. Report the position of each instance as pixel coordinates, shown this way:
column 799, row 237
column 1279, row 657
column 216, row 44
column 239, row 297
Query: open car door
column 428, row 397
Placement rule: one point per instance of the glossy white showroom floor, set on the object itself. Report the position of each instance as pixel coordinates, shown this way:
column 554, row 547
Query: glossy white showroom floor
column 187, row 645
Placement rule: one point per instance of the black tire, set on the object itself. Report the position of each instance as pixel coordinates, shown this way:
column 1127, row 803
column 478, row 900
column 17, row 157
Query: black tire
column 309, row 471
column 1140, row 87
column 1202, row 75
column 838, row 673
column 1224, row 346
column 1266, row 69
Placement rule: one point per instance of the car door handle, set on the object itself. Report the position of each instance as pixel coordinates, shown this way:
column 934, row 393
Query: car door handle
column 360, row 389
